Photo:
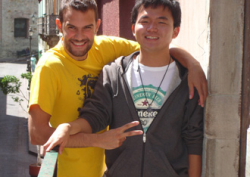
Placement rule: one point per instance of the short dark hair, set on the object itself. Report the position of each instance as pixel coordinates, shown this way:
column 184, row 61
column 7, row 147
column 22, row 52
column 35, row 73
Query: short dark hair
column 172, row 5
column 81, row 5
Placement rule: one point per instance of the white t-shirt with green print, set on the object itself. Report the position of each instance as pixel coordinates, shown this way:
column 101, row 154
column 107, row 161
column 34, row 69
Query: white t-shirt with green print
column 151, row 79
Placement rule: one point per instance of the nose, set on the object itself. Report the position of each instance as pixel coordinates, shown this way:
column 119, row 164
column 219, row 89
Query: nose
column 79, row 35
column 152, row 27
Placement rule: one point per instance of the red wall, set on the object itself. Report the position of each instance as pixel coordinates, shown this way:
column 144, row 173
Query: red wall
column 116, row 17
column 125, row 18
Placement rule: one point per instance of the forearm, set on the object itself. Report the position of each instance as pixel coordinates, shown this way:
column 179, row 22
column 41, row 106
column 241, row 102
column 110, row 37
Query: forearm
column 39, row 127
column 107, row 140
column 80, row 125
column 66, row 135
column 101, row 140
column 39, row 137
column 185, row 58
column 195, row 165
column 80, row 140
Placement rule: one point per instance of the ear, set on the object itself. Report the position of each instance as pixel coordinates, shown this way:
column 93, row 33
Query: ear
column 176, row 32
column 59, row 24
column 98, row 24
column 133, row 29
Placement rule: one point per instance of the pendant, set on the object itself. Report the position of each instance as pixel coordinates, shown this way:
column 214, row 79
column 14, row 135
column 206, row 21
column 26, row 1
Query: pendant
column 149, row 109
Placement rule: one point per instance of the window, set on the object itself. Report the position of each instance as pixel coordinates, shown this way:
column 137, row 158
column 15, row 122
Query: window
column 21, row 25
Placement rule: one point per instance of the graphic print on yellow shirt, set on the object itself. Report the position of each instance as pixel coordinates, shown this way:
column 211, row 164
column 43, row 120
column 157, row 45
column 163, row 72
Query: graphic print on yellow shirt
column 87, row 83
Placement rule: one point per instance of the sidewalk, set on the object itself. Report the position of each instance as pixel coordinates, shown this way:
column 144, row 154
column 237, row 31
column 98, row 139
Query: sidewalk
column 14, row 155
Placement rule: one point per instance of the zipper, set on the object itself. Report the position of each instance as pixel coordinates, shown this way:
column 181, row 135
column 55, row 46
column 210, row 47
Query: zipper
column 144, row 139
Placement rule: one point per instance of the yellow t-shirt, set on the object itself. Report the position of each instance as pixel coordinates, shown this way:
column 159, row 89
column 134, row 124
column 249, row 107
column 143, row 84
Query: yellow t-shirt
column 60, row 85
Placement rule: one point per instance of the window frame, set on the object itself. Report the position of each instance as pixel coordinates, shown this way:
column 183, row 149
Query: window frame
column 24, row 32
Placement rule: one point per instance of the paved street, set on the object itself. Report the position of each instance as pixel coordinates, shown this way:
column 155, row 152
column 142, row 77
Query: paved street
column 14, row 155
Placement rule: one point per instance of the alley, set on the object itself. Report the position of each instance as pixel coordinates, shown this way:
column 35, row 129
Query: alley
column 15, row 157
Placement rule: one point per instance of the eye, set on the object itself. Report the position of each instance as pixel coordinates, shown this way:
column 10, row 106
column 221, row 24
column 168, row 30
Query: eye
column 89, row 27
column 162, row 22
column 144, row 21
column 71, row 27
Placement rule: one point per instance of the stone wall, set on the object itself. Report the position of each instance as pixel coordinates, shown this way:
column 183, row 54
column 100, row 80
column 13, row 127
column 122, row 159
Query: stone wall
column 213, row 32
column 12, row 9
column 223, row 110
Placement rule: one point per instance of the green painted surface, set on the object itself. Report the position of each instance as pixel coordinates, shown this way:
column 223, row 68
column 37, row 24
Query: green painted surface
column 49, row 164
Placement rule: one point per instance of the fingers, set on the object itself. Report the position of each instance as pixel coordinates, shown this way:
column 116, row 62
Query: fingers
column 191, row 91
column 52, row 143
column 203, row 93
column 62, row 146
column 48, row 146
column 205, row 90
column 114, row 138
column 128, row 126
column 201, row 101
column 197, row 79
column 133, row 133
column 123, row 134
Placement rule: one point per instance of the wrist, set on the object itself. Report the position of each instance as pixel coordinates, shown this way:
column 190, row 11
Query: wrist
column 95, row 140
column 193, row 64
column 65, row 126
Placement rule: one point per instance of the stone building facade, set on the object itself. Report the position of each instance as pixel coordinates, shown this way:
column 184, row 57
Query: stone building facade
column 48, row 34
column 15, row 20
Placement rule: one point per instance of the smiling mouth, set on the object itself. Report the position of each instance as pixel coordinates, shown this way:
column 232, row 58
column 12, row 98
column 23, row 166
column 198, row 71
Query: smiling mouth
column 78, row 43
column 151, row 37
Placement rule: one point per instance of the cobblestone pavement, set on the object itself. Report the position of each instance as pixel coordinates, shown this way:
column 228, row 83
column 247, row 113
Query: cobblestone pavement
column 15, row 157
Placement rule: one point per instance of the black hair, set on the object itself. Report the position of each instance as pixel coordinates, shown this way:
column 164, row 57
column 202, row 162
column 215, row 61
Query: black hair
column 81, row 5
column 172, row 5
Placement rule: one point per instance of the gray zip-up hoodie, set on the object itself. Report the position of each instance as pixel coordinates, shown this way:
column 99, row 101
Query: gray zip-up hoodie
column 175, row 132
